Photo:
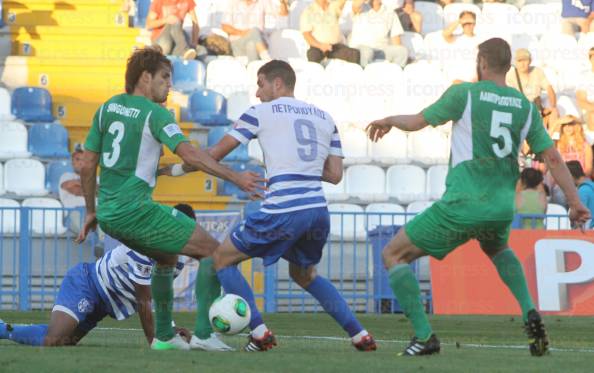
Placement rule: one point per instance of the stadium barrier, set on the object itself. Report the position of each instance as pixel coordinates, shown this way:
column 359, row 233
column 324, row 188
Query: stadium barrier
column 37, row 248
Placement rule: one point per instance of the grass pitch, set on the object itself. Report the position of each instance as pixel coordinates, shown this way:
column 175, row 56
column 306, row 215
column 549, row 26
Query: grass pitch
column 313, row 343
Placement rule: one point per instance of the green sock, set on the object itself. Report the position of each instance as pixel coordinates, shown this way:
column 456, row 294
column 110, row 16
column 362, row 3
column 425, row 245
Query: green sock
column 511, row 272
column 162, row 292
column 208, row 288
column 406, row 288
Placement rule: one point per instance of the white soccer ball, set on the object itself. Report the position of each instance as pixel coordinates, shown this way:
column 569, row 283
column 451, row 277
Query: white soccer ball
column 229, row 314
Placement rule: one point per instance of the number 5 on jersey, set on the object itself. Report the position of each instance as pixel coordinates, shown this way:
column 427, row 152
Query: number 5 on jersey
column 498, row 131
column 116, row 129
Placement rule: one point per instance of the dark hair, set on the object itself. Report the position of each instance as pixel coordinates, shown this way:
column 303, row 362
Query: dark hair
column 467, row 12
column 575, row 169
column 149, row 59
column 497, row 53
column 531, row 177
column 186, row 209
column 279, row 69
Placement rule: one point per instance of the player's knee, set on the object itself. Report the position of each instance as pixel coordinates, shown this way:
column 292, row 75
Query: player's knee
column 302, row 276
column 55, row 341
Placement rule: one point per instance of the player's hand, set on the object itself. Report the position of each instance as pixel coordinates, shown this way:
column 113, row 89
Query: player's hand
column 184, row 333
column 579, row 215
column 90, row 225
column 378, row 129
column 252, row 183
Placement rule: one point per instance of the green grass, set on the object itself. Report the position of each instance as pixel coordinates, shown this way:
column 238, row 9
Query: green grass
column 486, row 343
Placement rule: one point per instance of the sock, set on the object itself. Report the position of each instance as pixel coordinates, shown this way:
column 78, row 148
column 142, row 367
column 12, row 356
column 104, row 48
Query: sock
column 406, row 288
column 162, row 292
column 208, row 288
column 234, row 283
column 511, row 272
column 359, row 336
column 32, row 335
column 334, row 304
column 259, row 331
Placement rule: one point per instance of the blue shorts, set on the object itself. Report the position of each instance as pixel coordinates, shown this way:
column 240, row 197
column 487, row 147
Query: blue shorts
column 298, row 236
column 79, row 298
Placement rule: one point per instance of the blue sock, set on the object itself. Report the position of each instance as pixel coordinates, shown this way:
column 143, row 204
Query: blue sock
column 32, row 335
column 334, row 304
column 234, row 283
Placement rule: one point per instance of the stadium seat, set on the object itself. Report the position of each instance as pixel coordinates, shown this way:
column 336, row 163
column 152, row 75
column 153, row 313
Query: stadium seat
column 560, row 52
column 48, row 140
column 428, row 147
column 311, row 81
column 5, row 114
column 366, row 183
column 24, row 177
column 380, row 90
column 384, row 214
column 354, row 145
column 347, row 222
column 424, row 83
column 142, row 11
column 558, row 220
column 239, row 154
column 451, row 12
column 432, row 16
column 391, row 149
column 436, row 181
column 252, row 74
column 585, row 42
column 415, row 45
column 498, row 17
column 188, row 75
column 13, row 140
column 10, row 217
column 227, row 75
column 340, row 85
column 406, row 183
column 237, row 104
column 1, row 179
column 525, row 41
column 295, row 10
column 538, row 19
column 567, row 106
column 229, row 189
column 55, row 170
column 32, row 104
column 415, row 208
column 208, row 108
column 288, row 43
column 335, row 193
column 47, row 216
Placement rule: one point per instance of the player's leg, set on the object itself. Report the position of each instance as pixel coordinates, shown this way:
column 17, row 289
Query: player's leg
column 32, row 335
column 61, row 329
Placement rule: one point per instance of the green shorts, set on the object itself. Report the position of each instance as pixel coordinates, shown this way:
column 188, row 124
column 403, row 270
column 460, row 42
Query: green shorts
column 151, row 227
column 438, row 233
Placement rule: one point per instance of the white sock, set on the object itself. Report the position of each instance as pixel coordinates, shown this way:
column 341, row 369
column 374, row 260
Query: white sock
column 357, row 338
column 259, row 331
column 264, row 55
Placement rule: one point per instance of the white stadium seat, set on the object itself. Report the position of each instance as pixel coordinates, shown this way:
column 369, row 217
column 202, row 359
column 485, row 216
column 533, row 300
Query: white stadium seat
column 10, row 218
column 452, row 11
column 437, row 49
column 13, row 140
column 354, row 145
column 556, row 222
column 237, row 104
column 560, row 52
column 335, row 193
column 428, row 147
column 25, row 177
column 498, row 17
column 347, row 221
column 391, row 149
column 295, row 10
column 288, row 43
column 525, row 41
column 1, row 179
column 311, row 82
column 424, row 83
column 538, row 19
column 414, row 43
column 406, row 183
column 585, row 42
column 255, row 151
column 46, row 222
column 380, row 89
column 5, row 100
column 366, row 183
column 432, row 16
column 567, row 106
column 226, row 76
column 436, row 179
column 384, row 214
column 415, row 208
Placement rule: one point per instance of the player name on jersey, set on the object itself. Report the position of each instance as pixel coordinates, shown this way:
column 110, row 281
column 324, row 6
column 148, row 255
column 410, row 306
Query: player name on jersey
column 501, row 100
column 123, row 110
column 306, row 110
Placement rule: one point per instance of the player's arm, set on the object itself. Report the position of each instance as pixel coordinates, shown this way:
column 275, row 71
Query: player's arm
column 145, row 312
column 381, row 127
column 332, row 170
column 88, row 179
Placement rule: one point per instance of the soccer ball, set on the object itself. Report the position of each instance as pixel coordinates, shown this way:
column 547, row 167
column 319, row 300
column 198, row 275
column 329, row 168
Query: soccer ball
column 229, row 314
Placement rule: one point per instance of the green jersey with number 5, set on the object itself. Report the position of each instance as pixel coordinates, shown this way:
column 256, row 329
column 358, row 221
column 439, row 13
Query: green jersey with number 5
column 490, row 123
column 128, row 133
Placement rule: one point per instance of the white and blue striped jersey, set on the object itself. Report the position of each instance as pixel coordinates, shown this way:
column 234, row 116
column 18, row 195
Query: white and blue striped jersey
column 296, row 138
column 117, row 272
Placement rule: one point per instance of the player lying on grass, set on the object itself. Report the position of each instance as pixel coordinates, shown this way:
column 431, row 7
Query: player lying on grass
column 301, row 148
column 491, row 121
column 117, row 285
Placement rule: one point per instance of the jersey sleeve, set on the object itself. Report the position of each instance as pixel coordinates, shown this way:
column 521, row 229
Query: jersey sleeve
column 538, row 138
column 449, row 106
column 335, row 143
column 165, row 130
column 246, row 127
column 139, row 268
column 93, row 141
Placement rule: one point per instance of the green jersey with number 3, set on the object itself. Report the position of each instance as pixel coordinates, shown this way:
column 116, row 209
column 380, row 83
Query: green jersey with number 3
column 128, row 133
column 490, row 124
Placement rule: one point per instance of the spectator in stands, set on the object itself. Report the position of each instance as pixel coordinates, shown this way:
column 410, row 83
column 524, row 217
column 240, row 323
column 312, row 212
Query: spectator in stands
column 576, row 16
column 410, row 19
column 165, row 19
column 376, row 33
column 467, row 20
column 531, row 81
column 244, row 22
column 585, row 186
column 572, row 143
column 70, row 193
column 585, row 93
column 531, row 198
column 321, row 30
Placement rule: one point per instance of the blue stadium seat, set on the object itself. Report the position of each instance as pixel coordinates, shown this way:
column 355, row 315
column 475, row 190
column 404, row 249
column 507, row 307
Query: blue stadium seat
column 48, row 140
column 239, row 154
column 188, row 75
column 207, row 107
column 142, row 11
column 32, row 104
column 229, row 189
column 55, row 170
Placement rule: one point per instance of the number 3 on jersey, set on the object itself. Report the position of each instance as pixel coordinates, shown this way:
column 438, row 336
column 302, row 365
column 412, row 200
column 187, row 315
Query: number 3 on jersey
column 116, row 129
column 498, row 131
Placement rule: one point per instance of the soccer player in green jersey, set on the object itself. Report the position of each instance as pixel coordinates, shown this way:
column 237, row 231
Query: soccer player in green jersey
column 125, row 140
column 491, row 121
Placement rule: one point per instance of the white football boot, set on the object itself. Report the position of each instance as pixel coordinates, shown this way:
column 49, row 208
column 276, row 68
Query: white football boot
column 213, row 343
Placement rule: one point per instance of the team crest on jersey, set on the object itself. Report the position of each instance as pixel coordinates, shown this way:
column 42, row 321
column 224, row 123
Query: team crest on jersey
column 172, row 130
column 145, row 270
column 84, row 305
